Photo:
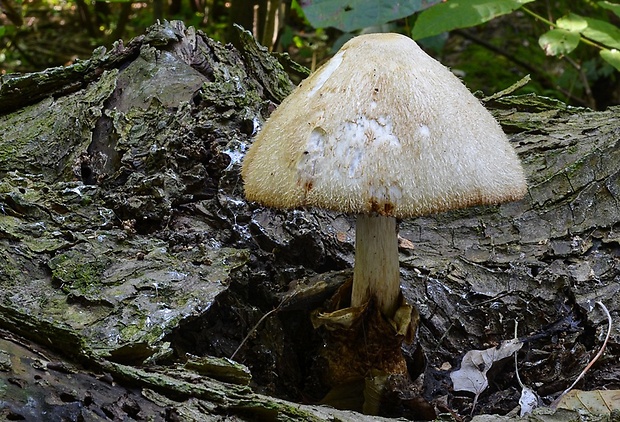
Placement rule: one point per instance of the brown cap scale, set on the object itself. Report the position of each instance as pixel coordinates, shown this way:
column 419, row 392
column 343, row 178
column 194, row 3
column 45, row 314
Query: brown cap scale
column 385, row 130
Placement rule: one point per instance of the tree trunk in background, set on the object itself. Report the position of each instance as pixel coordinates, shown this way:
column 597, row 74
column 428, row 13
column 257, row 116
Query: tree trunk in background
column 261, row 17
column 248, row 14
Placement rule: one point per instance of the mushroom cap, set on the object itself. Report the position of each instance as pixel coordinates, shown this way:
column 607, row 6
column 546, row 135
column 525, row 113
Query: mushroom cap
column 382, row 128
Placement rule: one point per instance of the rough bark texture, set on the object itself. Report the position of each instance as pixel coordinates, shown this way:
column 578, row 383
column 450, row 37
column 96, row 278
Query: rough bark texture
column 126, row 246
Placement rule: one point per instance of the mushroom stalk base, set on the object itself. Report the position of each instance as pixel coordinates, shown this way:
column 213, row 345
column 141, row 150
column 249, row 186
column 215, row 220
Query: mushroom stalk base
column 362, row 359
column 376, row 273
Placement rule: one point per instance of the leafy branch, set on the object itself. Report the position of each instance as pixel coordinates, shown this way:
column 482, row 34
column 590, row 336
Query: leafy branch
column 431, row 18
column 568, row 31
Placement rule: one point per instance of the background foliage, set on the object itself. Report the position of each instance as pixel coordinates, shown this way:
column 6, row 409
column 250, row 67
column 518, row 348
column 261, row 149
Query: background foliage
column 570, row 48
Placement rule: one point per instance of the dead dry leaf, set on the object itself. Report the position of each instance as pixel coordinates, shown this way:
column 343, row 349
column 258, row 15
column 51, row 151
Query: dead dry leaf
column 528, row 401
column 598, row 402
column 405, row 243
column 472, row 376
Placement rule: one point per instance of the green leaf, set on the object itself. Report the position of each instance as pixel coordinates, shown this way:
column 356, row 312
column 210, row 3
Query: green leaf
column 558, row 41
column 612, row 57
column 2, row 30
column 348, row 15
column 610, row 6
column 453, row 14
column 572, row 22
column 602, row 32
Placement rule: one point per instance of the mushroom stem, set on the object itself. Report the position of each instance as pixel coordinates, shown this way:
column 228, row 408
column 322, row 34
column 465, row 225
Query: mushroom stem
column 376, row 273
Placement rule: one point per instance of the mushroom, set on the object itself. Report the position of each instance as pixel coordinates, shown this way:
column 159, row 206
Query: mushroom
column 384, row 131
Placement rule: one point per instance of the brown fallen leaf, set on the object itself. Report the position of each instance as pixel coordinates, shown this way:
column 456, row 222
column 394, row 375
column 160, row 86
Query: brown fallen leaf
column 405, row 243
column 597, row 402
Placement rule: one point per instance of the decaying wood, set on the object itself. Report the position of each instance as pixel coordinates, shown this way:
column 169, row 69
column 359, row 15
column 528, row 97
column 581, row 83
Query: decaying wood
column 126, row 243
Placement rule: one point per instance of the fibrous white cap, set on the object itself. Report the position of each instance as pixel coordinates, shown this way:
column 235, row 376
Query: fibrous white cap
column 382, row 127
